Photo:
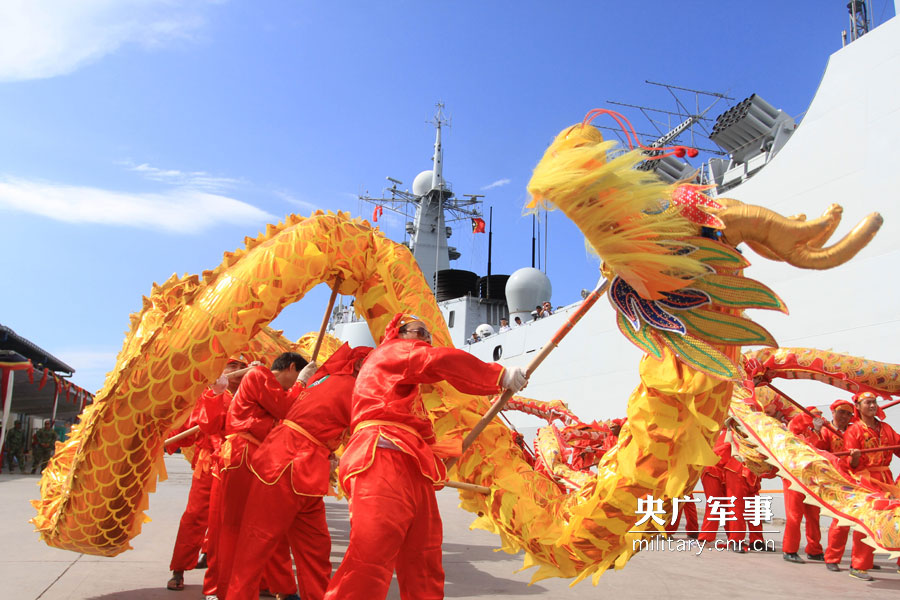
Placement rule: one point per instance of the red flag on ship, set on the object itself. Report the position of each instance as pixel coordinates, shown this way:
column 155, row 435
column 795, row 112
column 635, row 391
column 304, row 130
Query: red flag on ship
column 477, row 225
column 377, row 212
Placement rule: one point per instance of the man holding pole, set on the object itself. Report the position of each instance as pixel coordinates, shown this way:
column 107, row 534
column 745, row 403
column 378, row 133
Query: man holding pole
column 292, row 470
column 872, row 468
column 264, row 396
column 713, row 481
column 808, row 428
column 390, row 467
column 209, row 416
column 841, row 414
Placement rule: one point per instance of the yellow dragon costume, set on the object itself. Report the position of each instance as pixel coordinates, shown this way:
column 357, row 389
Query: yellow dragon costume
column 679, row 296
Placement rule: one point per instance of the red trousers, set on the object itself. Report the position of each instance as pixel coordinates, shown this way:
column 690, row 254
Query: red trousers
column 736, row 485
column 211, row 576
column 863, row 555
column 194, row 521
column 394, row 524
column 279, row 512
column 279, row 572
column 712, row 486
column 795, row 510
column 689, row 510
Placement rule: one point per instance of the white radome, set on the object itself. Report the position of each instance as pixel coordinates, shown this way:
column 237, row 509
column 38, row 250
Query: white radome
column 422, row 183
column 525, row 289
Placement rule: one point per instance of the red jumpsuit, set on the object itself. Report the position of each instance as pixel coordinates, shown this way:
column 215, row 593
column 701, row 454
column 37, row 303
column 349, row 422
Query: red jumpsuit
column 259, row 402
column 742, row 484
column 874, row 469
column 837, row 534
column 794, row 507
column 292, row 469
column 390, row 470
column 195, row 520
column 713, row 480
column 689, row 510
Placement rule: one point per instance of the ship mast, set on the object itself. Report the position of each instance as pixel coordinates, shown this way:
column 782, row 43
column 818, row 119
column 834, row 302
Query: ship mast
column 435, row 205
column 429, row 238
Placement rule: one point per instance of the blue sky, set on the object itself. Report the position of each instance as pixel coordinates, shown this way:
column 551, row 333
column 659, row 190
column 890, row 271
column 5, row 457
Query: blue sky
column 141, row 138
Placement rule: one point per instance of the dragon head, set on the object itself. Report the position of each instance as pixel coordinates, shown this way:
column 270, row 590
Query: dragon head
column 674, row 284
column 793, row 240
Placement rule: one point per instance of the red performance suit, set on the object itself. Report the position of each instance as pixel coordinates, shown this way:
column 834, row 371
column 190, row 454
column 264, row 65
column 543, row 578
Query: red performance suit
column 210, row 408
column 742, row 484
column 873, row 471
column 390, row 470
column 292, row 469
column 689, row 510
column 259, row 402
column 837, row 534
column 713, row 480
column 795, row 509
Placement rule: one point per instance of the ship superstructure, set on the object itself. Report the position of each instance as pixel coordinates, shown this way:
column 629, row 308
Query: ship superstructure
column 842, row 152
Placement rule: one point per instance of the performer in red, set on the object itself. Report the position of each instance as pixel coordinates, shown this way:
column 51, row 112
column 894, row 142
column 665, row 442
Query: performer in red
column 210, row 408
column 872, row 468
column 730, row 484
column 689, row 510
column 743, row 484
column 841, row 414
column 292, row 469
column 390, row 467
column 809, row 429
column 263, row 397
column 713, row 481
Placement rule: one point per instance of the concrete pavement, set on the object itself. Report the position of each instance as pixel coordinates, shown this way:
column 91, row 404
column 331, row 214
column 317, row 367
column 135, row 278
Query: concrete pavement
column 30, row 570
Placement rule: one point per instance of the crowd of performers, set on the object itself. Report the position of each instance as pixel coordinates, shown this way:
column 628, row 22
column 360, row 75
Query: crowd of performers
column 264, row 455
column 855, row 426
column 858, row 425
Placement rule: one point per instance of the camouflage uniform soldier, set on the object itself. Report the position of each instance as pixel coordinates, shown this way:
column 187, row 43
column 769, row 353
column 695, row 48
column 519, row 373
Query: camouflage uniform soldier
column 44, row 444
column 15, row 446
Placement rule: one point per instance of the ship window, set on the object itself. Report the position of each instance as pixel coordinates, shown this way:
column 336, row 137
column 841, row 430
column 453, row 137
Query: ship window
column 451, row 319
column 498, row 352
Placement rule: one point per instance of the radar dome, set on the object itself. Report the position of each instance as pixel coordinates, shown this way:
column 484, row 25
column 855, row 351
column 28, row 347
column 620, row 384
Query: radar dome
column 422, row 183
column 484, row 330
column 525, row 289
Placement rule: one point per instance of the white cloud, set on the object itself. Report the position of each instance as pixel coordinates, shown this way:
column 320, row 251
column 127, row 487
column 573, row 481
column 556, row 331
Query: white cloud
column 46, row 38
column 85, row 360
column 198, row 180
column 179, row 210
column 496, row 184
column 306, row 207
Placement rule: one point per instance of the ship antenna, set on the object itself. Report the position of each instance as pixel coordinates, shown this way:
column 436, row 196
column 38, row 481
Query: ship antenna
column 437, row 173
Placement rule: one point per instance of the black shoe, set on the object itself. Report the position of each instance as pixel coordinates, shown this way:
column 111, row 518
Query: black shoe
column 861, row 574
column 693, row 536
column 759, row 546
column 833, row 567
column 818, row 557
column 201, row 563
column 793, row 557
column 875, row 567
column 739, row 548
